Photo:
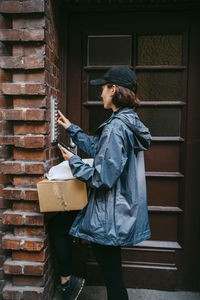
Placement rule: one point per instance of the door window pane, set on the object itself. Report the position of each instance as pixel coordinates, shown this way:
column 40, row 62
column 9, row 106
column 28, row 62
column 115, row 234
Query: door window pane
column 94, row 92
column 109, row 50
column 161, row 121
column 97, row 115
column 160, row 50
column 160, row 86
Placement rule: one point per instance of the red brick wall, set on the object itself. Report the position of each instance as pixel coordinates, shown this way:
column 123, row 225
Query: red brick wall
column 28, row 77
column 5, row 129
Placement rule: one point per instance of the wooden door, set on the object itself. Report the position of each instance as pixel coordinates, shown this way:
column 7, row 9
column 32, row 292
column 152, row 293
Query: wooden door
column 158, row 51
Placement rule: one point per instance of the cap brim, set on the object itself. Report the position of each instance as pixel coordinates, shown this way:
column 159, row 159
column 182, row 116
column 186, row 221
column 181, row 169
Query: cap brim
column 99, row 81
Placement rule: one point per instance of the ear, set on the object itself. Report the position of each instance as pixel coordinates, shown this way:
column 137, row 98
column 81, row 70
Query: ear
column 113, row 89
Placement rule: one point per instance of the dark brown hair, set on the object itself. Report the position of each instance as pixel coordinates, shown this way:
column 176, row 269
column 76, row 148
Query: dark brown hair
column 124, row 97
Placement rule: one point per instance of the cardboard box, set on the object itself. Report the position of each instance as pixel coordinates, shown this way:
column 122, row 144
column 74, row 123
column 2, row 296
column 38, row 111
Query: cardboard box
column 62, row 195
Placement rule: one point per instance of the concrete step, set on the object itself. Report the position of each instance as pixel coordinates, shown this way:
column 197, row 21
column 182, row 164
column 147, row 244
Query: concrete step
column 99, row 293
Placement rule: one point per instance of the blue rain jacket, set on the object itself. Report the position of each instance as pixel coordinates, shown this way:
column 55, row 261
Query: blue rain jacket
column 117, row 212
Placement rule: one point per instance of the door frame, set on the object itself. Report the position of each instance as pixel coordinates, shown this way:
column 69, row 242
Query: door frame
column 188, row 276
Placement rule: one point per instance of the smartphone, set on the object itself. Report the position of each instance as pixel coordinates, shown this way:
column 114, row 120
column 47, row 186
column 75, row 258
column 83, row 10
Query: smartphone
column 67, row 148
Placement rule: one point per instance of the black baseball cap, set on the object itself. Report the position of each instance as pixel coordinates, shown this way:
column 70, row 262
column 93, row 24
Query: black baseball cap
column 120, row 75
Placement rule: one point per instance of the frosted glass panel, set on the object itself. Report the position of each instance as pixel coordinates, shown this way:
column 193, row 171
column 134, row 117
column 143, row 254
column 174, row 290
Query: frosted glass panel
column 161, row 121
column 160, row 50
column 109, row 50
column 160, row 86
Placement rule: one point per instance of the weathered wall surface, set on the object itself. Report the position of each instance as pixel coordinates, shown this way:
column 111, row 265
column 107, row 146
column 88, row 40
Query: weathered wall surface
column 28, row 78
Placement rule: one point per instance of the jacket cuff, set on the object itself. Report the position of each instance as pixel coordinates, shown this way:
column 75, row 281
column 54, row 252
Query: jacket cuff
column 73, row 129
column 74, row 159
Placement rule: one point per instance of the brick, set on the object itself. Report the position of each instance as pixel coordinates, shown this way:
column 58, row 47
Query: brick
column 31, row 194
column 5, row 127
column 12, row 114
column 31, row 6
column 26, row 292
column 34, row 268
column 34, row 62
column 5, row 76
column 22, row 167
column 28, row 22
column 9, row 35
column 36, row 168
column 12, row 293
column 1, row 190
column 5, row 101
column 51, row 80
column 24, row 114
column 25, row 154
column 11, row 267
column 34, row 141
column 23, row 89
column 35, row 115
column 26, row 181
column 30, row 231
column 31, row 128
column 4, row 179
column 49, row 40
column 4, row 203
column 36, row 294
column 33, row 101
column 32, row 35
column 30, row 256
column 27, row 76
column 23, row 35
column 24, row 267
column 11, row 218
column 19, row 193
column 11, row 244
column 35, row 219
column 28, row 50
column 7, row 140
column 23, row 218
column 29, row 280
column 12, row 167
column 9, row 241
column 7, row 6
column 26, row 206
column 21, row 62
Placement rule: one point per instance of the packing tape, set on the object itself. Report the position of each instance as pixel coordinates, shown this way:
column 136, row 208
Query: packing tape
column 60, row 196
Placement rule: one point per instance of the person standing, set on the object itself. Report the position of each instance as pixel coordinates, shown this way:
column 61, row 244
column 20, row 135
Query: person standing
column 116, row 214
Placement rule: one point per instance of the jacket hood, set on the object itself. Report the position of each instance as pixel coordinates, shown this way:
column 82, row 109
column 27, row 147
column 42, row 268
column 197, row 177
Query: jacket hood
column 141, row 132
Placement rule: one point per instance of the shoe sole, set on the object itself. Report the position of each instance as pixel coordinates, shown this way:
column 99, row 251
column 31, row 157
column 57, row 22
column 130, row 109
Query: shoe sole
column 82, row 285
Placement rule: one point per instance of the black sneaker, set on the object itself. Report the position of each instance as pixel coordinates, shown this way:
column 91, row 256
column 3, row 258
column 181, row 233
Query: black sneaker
column 72, row 288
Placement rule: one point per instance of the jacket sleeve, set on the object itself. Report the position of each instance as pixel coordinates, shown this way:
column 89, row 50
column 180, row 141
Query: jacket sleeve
column 82, row 140
column 109, row 162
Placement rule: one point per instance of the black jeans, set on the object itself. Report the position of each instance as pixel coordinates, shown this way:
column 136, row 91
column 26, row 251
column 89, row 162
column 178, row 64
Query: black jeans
column 108, row 257
column 58, row 227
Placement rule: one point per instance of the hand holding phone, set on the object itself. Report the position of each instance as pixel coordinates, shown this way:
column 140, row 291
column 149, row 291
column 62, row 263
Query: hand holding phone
column 66, row 147
column 66, row 152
